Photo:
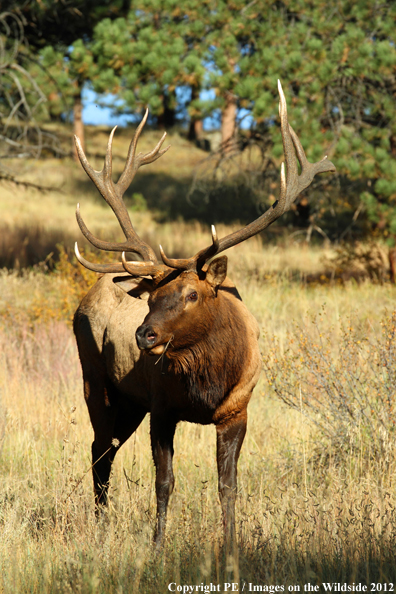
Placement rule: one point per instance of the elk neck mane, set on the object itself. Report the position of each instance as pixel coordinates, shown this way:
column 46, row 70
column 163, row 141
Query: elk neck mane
column 211, row 367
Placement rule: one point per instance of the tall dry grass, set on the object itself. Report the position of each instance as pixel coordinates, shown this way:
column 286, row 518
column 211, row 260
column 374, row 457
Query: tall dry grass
column 300, row 519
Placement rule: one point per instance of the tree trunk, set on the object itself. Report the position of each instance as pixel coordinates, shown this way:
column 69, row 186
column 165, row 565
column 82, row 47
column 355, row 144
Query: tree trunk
column 78, row 124
column 166, row 119
column 228, row 122
column 195, row 130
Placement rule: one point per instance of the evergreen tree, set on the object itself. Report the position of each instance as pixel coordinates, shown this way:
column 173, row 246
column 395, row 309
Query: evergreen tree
column 337, row 64
column 59, row 24
column 227, row 43
column 150, row 55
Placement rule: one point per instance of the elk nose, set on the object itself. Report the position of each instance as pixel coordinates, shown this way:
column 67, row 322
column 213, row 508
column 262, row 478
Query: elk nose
column 145, row 337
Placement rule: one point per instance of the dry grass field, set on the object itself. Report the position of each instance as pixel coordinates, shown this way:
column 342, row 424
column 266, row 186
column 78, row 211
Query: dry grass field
column 316, row 501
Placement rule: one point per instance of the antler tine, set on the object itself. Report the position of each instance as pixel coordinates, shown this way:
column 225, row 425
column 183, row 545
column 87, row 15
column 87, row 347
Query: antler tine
column 143, row 268
column 308, row 170
column 134, row 162
column 134, row 268
column 97, row 267
column 291, row 163
column 291, row 184
column 98, row 177
column 196, row 261
column 113, row 195
column 100, row 243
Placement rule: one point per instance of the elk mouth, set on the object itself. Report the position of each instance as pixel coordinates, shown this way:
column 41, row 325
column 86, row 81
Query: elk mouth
column 157, row 350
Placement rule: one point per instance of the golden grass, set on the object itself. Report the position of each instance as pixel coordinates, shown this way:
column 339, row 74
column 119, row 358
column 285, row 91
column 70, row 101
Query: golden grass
column 300, row 519
column 297, row 523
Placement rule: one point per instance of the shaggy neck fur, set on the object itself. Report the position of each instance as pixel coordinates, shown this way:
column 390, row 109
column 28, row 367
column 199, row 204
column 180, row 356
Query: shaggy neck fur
column 212, row 367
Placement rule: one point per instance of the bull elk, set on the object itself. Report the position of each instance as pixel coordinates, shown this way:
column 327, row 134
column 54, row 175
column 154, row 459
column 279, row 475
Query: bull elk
column 184, row 312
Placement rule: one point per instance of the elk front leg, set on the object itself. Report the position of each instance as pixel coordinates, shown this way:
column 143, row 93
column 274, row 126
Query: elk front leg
column 230, row 436
column 162, row 431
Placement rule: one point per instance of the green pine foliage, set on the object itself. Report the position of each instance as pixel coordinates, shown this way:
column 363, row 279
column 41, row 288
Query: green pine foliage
column 146, row 56
column 337, row 65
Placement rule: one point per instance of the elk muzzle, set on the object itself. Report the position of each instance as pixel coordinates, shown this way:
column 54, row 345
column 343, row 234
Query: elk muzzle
column 146, row 338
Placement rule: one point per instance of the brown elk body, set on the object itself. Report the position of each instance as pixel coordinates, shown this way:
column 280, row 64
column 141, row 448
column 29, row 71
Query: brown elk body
column 189, row 317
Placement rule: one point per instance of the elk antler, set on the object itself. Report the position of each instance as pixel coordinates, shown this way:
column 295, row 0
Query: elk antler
column 292, row 185
column 113, row 194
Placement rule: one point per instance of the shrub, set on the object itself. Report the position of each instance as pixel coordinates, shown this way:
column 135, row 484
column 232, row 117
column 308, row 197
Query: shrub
column 77, row 278
column 361, row 261
column 35, row 295
column 349, row 393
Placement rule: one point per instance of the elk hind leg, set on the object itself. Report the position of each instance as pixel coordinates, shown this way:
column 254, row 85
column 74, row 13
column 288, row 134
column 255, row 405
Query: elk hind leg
column 114, row 419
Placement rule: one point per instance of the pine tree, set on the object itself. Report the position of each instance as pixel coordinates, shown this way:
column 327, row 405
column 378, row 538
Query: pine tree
column 337, row 64
column 149, row 56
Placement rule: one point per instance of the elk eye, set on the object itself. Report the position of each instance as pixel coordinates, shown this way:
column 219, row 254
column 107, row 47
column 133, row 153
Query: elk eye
column 193, row 296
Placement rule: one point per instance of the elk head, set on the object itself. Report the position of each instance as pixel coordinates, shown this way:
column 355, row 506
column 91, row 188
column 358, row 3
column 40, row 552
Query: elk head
column 181, row 311
column 180, row 289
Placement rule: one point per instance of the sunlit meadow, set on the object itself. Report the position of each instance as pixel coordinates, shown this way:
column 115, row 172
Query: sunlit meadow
column 310, row 509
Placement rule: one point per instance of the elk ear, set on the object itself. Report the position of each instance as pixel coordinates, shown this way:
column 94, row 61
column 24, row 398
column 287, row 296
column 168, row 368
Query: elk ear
column 134, row 287
column 217, row 271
